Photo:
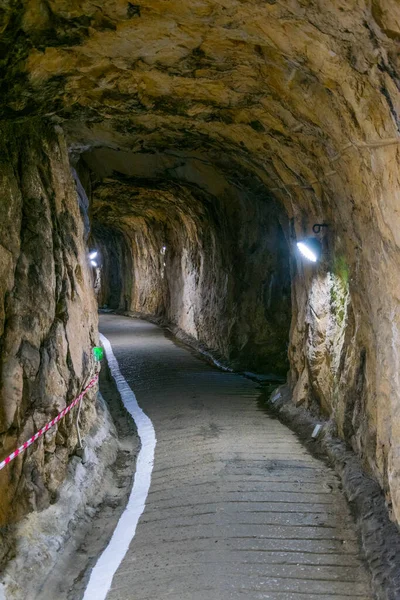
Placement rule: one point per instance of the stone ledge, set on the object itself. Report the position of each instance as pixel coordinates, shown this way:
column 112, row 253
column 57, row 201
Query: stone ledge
column 40, row 538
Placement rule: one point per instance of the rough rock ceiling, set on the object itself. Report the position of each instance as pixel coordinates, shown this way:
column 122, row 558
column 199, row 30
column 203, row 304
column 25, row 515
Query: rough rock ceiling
column 287, row 88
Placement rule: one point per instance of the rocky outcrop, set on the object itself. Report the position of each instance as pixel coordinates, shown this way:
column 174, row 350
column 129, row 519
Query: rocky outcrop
column 48, row 321
column 293, row 102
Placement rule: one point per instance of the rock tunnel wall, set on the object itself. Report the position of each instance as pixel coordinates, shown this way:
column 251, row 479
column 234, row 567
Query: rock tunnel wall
column 298, row 101
column 113, row 276
column 48, row 321
column 215, row 266
column 344, row 342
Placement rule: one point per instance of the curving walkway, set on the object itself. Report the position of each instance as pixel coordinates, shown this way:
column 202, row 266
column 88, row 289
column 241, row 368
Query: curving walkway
column 237, row 508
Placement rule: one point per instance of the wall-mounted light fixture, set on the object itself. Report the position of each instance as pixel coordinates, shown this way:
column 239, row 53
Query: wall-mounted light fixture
column 92, row 256
column 311, row 247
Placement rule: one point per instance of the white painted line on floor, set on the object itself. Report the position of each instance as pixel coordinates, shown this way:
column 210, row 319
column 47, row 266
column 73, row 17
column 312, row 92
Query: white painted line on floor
column 103, row 572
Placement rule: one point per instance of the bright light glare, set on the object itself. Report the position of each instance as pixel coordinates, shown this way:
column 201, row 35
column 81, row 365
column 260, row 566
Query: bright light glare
column 306, row 251
column 94, row 263
column 93, row 254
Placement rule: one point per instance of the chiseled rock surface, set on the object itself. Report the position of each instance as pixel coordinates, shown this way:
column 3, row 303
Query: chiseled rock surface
column 214, row 266
column 48, row 318
column 303, row 97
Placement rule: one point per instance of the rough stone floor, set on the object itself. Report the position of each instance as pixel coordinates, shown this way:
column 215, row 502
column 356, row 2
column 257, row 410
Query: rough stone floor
column 237, row 507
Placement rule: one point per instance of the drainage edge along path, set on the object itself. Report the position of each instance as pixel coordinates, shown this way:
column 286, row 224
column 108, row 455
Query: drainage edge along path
column 237, row 507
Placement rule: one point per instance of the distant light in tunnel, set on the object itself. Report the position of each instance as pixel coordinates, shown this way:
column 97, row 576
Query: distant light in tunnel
column 93, row 254
column 310, row 248
column 93, row 262
column 163, row 249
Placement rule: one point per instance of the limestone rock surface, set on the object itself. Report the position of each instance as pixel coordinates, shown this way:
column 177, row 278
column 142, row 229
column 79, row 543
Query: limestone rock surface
column 296, row 102
column 48, row 317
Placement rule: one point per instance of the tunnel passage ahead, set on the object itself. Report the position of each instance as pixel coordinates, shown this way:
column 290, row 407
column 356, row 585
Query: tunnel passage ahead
column 237, row 507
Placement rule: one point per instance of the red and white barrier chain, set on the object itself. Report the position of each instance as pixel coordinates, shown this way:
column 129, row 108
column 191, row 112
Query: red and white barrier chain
column 50, row 424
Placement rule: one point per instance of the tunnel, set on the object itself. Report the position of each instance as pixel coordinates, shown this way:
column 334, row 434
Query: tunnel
column 199, row 272
column 199, row 245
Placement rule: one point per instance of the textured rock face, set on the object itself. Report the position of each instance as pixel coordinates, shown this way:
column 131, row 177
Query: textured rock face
column 296, row 101
column 47, row 314
column 215, row 265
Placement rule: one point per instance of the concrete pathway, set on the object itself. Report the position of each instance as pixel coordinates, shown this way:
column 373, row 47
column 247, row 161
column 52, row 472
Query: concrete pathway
column 237, row 509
